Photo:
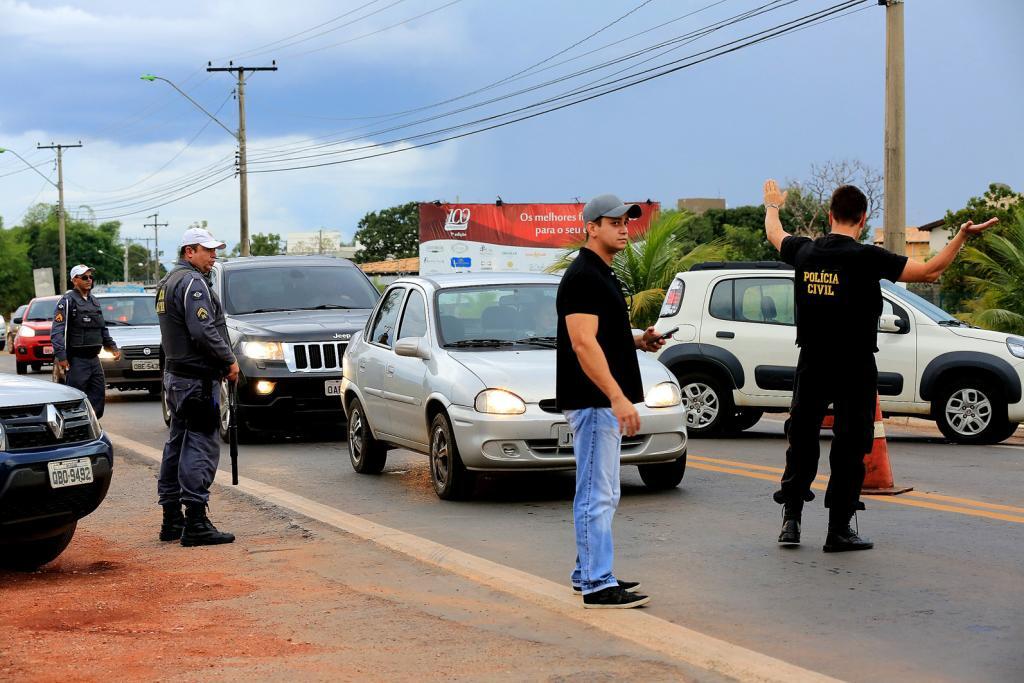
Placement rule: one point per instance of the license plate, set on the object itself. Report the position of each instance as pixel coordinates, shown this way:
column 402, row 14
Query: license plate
column 145, row 365
column 70, row 472
column 564, row 436
column 332, row 387
column 48, row 350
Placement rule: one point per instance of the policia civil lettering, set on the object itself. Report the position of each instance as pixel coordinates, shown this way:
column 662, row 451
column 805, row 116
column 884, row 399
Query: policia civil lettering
column 198, row 357
column 838, row 303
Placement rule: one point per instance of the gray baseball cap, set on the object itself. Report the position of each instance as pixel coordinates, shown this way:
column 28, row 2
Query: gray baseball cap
column 611, row 206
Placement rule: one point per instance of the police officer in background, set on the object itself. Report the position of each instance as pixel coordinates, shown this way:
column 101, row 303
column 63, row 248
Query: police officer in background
column 198, row 356
column 78, row 333
column 838, row 303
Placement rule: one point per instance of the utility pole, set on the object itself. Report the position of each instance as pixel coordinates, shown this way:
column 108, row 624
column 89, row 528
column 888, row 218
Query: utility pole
column 243, row 181
column 127, row 243
column 895, row 205
column 156, row 243
column 63, row 277
column 147, row 240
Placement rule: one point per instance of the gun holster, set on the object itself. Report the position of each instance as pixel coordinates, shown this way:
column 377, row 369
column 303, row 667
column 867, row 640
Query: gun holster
column 201, row 414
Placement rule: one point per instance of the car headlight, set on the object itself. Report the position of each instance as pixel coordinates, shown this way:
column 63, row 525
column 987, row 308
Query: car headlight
column 258, row 350
column 499, row 402
column 105, row 354
column 93, row 420
column 26, row 332
column 663, row 395
column 3, row 438
column 1016, row 346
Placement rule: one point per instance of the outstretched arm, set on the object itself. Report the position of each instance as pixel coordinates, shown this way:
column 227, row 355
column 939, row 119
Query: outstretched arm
column 931, row 270
column 773, row 201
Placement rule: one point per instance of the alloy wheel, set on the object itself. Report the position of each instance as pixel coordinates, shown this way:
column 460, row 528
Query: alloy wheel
column 440, row 455
column 355, row 435
column 968, row 411
column 702, row 405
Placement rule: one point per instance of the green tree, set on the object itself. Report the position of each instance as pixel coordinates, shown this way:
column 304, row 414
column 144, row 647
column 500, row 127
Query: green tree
column 16, row 285
column 995, row 271
column 265, row 245
column 957, row 293
column 390, row 233
column 647, row 265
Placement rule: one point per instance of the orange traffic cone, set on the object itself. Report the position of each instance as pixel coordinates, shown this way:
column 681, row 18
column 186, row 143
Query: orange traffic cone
column 878, row 479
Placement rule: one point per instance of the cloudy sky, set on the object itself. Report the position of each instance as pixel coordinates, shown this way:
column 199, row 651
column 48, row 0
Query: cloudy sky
column 359, row 78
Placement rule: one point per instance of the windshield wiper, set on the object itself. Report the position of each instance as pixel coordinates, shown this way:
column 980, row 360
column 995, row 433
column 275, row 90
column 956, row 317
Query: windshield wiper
column 323, row 307
column 551, row 342
column 465, row 343
column 267, row 310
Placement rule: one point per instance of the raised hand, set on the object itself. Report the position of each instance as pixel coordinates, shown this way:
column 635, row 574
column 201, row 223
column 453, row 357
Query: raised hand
column 971, row 229
column 772, row 195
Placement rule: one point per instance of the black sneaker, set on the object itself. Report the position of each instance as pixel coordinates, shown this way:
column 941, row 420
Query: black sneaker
column 614, row 597
column 628, row 586
column 790, row 535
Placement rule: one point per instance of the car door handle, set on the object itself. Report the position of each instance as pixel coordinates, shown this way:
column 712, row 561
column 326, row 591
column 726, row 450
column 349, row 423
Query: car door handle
column 362, row 366
column 722, row 334
column 389, row 370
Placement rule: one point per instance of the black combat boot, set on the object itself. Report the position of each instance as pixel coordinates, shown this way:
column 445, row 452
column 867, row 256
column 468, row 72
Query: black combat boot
column 791, row 512
column 199, row 530
column 841, row 536
column 174, row 522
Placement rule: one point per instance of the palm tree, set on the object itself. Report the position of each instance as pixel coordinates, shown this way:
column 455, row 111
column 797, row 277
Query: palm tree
column 647, row 265
column 997, row 275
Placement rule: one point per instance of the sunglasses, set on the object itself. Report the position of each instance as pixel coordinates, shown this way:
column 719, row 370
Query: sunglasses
column 85, row 277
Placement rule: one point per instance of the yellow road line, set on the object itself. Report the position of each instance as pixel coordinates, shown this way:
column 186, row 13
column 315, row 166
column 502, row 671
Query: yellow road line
column 920, row 499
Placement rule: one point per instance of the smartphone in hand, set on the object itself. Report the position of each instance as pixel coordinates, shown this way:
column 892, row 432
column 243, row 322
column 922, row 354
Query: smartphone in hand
column 669, row 333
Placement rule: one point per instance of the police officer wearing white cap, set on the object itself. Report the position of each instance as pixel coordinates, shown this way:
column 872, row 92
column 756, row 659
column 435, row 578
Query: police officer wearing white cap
column 198, row 356
column 78, row 333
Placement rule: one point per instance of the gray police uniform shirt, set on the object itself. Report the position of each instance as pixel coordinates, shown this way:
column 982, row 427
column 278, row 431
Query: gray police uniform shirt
column 192, row 326
column 79, row 329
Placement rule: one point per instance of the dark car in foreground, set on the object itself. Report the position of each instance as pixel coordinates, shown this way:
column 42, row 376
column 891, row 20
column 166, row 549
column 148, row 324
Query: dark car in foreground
column 55, row 468
column 290, row 319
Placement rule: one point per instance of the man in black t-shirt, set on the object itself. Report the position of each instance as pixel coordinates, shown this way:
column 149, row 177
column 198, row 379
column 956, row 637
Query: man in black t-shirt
column 838, row 302
column 597, row 383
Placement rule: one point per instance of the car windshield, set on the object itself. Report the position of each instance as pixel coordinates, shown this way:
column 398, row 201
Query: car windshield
column 498, row 315
column 41, row 310
column 128, row 310
column 918, row 302
column 297, row 288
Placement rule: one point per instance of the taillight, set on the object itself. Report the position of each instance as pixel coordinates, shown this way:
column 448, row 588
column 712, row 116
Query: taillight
column 673, row 299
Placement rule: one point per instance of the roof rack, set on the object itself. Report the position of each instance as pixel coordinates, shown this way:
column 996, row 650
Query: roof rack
column 742, row 265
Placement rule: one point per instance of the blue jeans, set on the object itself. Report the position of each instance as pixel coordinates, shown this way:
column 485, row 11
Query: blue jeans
column 597, row 442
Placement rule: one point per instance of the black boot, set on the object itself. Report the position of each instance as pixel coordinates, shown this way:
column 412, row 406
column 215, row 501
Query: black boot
column 791, row 513
column 841, row 536
column 199, row 530
column 173, row 524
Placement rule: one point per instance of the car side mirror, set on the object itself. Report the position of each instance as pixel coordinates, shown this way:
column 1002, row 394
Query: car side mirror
column 892, row 324
column 16, row 321
column 413, row 347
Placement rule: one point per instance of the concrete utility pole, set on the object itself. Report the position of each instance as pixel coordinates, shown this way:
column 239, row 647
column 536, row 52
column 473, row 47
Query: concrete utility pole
column 243, row 180
column 127, row 243
column 895, row 127
column 156, row 243
column 63, row 277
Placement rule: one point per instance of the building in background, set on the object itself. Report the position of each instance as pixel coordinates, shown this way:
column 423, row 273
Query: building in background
column 386, row 272
column 321, row 242
column 922, row 242
column 699, row 205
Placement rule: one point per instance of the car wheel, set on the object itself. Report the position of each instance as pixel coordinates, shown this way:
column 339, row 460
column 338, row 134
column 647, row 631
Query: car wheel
column 20, row 368
column 745, row 418
column 366, row 454
column 708, row 404
column 451, row 479
column 971, row 412
column 31, row 555
column 664, row 475
column 165, row 409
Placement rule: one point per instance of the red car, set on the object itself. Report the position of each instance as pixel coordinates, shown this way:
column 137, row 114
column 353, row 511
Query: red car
column 32, row 345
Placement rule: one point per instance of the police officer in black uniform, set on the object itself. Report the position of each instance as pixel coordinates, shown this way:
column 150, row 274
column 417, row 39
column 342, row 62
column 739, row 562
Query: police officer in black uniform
column 78, row 333
column 198, row 356
column 838, row 302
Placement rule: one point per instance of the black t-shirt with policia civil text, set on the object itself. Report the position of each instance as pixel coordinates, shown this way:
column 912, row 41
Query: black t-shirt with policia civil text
column 589, row 286
column 838, row 296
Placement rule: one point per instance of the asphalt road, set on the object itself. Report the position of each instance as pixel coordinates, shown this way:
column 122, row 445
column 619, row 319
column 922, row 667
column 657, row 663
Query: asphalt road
column 941, row 596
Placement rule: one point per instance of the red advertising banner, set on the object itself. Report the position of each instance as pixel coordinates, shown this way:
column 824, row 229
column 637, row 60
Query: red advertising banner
column 464, row 238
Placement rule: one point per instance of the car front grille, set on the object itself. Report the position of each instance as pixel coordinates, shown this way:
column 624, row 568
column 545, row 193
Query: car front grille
column 27, row 427
column 139, row 352
column 550, row 446
column 314, row 356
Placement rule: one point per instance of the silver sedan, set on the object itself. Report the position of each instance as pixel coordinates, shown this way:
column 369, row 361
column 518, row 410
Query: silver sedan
column 462, row 368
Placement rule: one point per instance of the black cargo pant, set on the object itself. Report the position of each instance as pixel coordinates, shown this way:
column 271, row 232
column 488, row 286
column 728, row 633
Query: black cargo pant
column 87, row 374
column 850, row 385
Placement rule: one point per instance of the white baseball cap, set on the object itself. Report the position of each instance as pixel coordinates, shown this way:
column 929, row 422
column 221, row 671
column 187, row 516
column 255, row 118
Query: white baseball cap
column 202, row 237
column 80, row 269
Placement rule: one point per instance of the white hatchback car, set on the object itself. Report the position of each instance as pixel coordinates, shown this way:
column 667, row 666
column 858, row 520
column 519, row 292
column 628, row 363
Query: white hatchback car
column 735, row 355
column 462, row 368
